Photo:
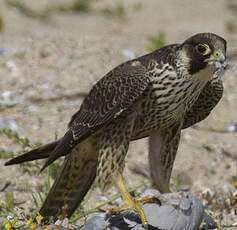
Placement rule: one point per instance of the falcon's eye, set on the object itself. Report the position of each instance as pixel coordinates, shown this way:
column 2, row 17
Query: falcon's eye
column 203, row 49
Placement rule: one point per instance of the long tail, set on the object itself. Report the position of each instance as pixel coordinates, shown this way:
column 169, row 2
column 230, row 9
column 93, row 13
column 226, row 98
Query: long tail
column 75, row 177
column 73, row 182
column 35, row 154
column 51, row 151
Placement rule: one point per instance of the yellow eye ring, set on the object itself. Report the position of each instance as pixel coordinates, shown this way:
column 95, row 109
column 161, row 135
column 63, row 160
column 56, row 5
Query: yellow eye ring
column 217, row 54
column 203, row 49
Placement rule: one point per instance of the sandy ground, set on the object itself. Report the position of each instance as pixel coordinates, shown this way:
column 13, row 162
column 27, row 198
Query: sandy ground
column 68, row 53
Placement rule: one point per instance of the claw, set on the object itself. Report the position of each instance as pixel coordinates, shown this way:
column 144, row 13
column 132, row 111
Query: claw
column 145, row 226
column 117, row 209
column 147, row 199
column 130, row 202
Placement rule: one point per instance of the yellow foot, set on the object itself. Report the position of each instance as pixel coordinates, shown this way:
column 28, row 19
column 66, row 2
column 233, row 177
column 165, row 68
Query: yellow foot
column 125, row 206
column 147, row 199
column 120, row 208
column 134, row 204
column 130, row 202
column 137, row 206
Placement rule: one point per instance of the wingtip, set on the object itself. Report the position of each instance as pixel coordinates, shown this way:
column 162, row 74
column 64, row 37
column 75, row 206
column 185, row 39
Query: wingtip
column 7, row 163
column 49, row 161
column 10, row 162
column 43, row 168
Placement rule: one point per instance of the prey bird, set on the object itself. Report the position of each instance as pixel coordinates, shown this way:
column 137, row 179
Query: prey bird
column 155, row 95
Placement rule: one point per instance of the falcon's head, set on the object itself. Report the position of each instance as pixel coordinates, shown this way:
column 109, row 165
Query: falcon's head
column 205, row 51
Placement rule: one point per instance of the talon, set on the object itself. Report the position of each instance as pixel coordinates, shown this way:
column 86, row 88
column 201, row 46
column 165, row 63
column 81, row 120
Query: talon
column 130, row 202
column 147, row 199
column 145, row 226
column 113, row 210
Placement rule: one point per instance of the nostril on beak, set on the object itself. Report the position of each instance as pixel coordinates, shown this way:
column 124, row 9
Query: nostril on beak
column 226, row 66
column 223, row 61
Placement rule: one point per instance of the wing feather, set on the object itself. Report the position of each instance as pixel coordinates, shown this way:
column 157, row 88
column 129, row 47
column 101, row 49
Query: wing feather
column 207, row 100
column 110, row 97
column 107, row 100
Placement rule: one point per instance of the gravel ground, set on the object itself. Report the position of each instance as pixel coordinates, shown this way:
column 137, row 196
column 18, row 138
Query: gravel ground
column 44, row 65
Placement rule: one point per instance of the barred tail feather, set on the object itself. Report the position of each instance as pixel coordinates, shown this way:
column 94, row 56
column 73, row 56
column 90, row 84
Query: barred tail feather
column 75, row 179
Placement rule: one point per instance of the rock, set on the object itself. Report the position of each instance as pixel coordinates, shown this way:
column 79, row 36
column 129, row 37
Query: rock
column 128, row 53
column 176, row 211
column 3, row 51
column 232, row 127
column 12, row 67
column 8, row 123
column 8, row 99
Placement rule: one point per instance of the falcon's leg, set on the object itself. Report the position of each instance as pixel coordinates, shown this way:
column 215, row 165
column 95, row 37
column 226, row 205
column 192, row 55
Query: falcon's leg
column 113, row 146
column 128, row 199
column 163, row 146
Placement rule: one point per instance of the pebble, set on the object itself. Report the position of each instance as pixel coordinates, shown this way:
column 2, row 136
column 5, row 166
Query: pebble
column 3, row 51
column 232, row 127
column 8, row 99
column 128, row 53
column 8, row 123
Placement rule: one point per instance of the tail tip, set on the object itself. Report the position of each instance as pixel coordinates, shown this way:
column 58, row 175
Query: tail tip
column 8, row 163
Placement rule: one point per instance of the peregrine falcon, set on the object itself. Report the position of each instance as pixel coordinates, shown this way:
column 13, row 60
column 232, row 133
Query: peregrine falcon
column 154, row 95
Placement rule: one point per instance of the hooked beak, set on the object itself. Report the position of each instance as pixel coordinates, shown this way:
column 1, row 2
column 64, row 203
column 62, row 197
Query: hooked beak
column 218, row 59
